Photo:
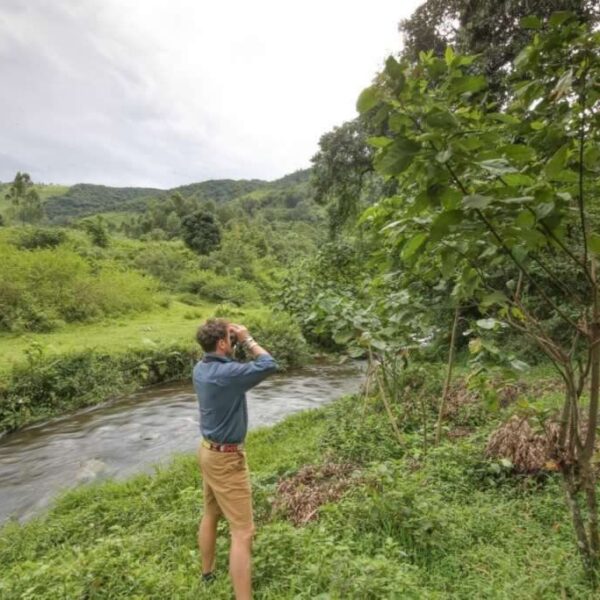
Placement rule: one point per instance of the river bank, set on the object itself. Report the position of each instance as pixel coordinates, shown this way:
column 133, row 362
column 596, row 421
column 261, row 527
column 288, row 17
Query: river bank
column 48, row 375
column 445, row 523
column 133, row 434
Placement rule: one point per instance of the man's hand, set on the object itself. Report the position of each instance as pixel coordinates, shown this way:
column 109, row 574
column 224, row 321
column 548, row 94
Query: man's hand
column 240, row 332
column 244, row 338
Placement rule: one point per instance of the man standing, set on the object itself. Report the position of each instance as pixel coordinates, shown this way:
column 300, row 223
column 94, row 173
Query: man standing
column 221, row 384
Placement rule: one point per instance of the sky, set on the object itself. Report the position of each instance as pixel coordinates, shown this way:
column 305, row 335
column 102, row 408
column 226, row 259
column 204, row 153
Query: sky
column 161, row 93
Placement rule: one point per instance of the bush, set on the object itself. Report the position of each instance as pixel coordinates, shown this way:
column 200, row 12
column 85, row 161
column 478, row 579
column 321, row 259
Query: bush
column 31, row 238
column 281, row 336
column 39, row 289
column 49, row 385
column 221, row 288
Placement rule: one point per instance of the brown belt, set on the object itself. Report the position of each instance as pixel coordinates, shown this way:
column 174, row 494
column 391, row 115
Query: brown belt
column 222, row 447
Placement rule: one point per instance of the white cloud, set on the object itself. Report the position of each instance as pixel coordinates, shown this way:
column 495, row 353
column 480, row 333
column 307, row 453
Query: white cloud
column 164, row 92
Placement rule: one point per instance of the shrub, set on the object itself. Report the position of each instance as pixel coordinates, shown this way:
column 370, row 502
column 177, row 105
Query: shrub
column 31, row 238
column 221, row 288
column 41, row 288
column 280, row 335
column 50, row 385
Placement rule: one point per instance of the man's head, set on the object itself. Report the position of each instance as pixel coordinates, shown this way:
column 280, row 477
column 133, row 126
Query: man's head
column 215, row 336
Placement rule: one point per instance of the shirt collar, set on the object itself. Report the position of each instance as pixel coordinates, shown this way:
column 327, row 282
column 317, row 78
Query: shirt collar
column 214, row 357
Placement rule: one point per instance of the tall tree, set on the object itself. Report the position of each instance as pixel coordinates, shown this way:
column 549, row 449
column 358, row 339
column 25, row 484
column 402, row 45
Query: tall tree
column 497, row 195
column 26, row 205
column 201, row 232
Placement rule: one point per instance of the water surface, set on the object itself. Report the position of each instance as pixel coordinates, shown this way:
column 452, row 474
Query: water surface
column 133, row 434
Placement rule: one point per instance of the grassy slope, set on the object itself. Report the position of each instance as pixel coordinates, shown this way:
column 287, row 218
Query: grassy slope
column 417, row 527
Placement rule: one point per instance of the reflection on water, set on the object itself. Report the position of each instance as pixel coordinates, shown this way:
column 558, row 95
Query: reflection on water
column 139, row 431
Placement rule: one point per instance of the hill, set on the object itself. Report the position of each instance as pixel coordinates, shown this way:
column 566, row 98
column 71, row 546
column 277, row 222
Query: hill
column 85, row 199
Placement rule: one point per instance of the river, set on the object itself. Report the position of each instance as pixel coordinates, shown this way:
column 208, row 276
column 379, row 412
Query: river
column 131, row 435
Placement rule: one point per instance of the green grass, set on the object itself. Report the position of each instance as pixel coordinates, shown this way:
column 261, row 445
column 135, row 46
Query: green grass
column 177, row 323
column 437, row 526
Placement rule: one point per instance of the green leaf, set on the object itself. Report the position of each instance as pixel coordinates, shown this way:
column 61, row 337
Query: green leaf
column 396, row 158
column 518, row 200
column 591, row 158
column 504, row 118
column 557, row 163
column 594, row 243
column 497, row 166
column 342, row 338
column 379, row 141
column 477, row 201
column 449, row 55
column 531, row 22
column 368, row 98
column 413, row 245
column 468, row 83
column 544, row 209
column 559, row 17
column 517, row 179
column 443, row 222
column 394, row 69
column 441, row 118
column 518, row 153
column 518, row 365
column 492, row 299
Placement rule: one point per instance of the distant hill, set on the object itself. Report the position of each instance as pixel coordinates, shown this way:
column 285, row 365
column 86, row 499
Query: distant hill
column 85, row 199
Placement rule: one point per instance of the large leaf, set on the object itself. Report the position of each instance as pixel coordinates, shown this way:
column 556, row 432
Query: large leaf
column 443, row 222
column 477, row 201
column 368, row 98
column 413, row 245
column 518, row 153
column 531, row 22
column 468, row 83
column 396, row 157
column 517, row 179
column 557, row 162
column 497, row 166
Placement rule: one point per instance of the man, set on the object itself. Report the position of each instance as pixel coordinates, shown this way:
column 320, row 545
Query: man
column 221, row 384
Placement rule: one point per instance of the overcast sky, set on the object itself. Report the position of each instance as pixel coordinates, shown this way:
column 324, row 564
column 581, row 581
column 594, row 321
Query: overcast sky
column 166, row 92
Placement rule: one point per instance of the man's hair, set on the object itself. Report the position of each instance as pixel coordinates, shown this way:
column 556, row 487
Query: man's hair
column 211, row 332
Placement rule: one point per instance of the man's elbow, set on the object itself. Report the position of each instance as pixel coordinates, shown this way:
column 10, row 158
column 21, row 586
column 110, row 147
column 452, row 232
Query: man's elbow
column 268, row 363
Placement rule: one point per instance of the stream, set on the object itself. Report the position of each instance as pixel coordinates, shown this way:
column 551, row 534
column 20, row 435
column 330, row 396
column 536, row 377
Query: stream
column 131, row 435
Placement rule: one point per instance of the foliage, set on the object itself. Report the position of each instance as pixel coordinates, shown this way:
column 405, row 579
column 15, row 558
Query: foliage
column 497, row 192
column 25, row 200
column 41, row 288
column 281, row 336
column 96, row 229
column 220, row 288
column 491, row 29
column 415, row 528
column 45, row 386
column 31, row 238
column 200, row 232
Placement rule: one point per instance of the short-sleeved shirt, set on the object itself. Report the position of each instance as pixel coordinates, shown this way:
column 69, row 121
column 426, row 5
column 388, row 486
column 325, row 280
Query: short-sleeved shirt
column 221, row 385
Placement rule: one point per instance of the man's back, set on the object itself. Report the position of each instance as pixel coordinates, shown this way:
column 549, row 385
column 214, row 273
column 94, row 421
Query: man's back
column 221, row 386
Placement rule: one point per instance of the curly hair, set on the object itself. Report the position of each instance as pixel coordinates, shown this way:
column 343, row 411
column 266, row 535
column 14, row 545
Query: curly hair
column 210, row 333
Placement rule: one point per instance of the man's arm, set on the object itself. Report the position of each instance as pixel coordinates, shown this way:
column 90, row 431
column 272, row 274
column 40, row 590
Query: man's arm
column 249, row 374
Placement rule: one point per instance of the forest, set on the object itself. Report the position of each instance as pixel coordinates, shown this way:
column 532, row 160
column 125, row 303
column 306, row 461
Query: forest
column 446, row 239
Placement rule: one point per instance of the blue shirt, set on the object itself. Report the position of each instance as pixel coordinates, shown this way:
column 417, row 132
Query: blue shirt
column 221, row 385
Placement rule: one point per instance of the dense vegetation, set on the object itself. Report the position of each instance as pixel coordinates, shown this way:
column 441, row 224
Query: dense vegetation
column 455, row 219
column 412, row 521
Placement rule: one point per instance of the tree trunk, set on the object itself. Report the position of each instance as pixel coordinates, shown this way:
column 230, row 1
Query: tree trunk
column 451, row 355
